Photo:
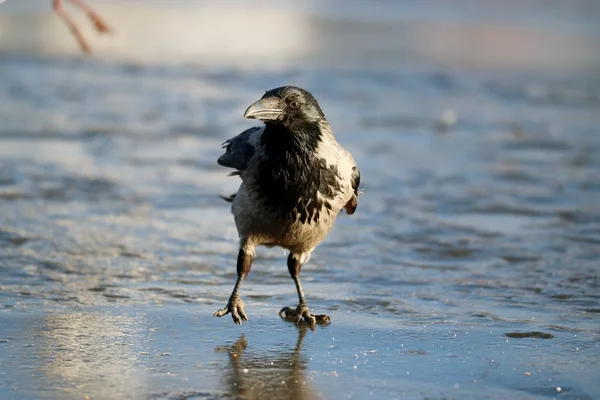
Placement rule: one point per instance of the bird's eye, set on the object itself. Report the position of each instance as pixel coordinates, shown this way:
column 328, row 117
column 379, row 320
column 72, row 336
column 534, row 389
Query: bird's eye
column 294, row 104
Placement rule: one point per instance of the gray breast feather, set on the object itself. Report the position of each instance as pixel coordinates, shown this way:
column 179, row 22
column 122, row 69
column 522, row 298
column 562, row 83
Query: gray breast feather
column 240, row 149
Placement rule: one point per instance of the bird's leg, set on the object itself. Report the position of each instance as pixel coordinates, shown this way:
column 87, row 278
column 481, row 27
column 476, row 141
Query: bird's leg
column 98, row 22
column 235, row 305
column 60, row 11
column 301, row 312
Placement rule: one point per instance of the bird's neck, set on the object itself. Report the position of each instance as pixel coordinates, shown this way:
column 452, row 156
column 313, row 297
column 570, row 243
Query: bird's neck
column 301, row 138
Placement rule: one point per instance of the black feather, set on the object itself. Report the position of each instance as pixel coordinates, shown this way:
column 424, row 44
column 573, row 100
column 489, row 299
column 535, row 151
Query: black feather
column 350, row 207
column 228, row 199
column 238, row 150
column 355, row 179
column 290, row 175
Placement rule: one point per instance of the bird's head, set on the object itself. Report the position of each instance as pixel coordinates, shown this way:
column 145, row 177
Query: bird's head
column 287, row 105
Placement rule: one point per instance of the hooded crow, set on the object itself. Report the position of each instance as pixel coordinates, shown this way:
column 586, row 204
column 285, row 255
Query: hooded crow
column 296, row 179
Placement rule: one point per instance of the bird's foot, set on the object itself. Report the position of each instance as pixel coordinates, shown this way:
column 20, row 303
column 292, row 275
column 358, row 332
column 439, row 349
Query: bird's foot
column 302, row 313
column 235, row 306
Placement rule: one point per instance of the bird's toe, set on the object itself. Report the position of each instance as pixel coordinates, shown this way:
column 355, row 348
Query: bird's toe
column 322, row 318
column 302, row 313
column 287, row 312
column 243, row 315
column 235, row 307
column 239, row 315
column 221, row 312
column 308, row 317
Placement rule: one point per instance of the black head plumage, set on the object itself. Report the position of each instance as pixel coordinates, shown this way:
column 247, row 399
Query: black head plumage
column 298, row 105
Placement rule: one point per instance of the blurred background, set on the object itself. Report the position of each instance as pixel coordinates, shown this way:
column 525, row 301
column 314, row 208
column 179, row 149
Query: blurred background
column 470, row 269
column 532, row 35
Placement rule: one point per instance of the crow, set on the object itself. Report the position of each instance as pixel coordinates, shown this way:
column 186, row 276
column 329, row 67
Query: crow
column 296, row 179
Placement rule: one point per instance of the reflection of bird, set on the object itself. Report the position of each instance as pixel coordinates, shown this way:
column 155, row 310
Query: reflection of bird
column 254, row 376
column 296, row 178
column 98, row 22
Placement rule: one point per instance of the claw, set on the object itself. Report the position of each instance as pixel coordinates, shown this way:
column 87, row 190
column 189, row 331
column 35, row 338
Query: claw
column 286, row 312
column 309, row 318
column 235, row 306
column 302, row 313
column 221, row 312
column 323, row 318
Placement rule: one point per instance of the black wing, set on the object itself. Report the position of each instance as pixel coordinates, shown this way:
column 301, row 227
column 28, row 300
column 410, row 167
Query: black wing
column 353, row 202
column 240, row 149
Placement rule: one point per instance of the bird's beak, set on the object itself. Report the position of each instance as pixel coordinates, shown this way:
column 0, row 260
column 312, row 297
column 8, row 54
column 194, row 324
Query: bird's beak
column 266, row 109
